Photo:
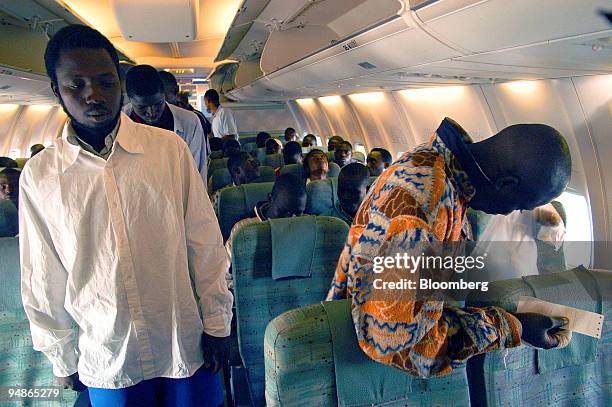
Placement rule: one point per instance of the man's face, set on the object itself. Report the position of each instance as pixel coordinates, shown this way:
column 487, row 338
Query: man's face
column 343, row 154
column 351, row 193
column 88, row 87
column 209, row 106
column 283, row 205
column 331, row 144
column 149, row 108
column 375, row 163
column 308, row 142
column 291, row 136
column 317, row 162
column 9, row 187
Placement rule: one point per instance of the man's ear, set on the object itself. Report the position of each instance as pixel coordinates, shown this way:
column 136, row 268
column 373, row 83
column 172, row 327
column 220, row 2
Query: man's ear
column 506, row 183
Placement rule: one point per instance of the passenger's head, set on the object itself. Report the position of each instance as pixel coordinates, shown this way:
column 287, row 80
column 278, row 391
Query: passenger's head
column 6, row 162
column 290, row 134
column 183, row 101
column 84, row 70
column 273, row 146
column 288, row 197
column 353, row 183
column 261, row 139
column 292, row 153
column 243, row 167
column 521, row 167
column 9, row 184
column 211, row 99
column 230, row 147
column 309, row 140
column 146, row 93
column 171, row 88
column 378, row 160
column 316, row 165
column 333, row 142
column 35, row 149
column 343, row 154
column 216, row 144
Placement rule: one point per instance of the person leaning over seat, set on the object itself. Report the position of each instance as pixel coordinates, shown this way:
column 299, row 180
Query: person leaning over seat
column 117, row 236
column 424, row 197
column 292, row 154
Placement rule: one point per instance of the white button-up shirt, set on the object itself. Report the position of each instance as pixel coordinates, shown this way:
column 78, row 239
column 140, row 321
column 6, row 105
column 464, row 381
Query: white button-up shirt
column 129, row 250
column 223, row 123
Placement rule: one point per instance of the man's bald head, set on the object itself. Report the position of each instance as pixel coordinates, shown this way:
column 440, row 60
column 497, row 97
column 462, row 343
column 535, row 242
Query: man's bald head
column 528, row 165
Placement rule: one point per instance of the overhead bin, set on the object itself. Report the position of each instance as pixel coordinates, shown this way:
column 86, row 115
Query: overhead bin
column 441, row 42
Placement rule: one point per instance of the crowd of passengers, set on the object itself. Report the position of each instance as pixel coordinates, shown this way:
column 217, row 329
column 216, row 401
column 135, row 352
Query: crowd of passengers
column 119, row 237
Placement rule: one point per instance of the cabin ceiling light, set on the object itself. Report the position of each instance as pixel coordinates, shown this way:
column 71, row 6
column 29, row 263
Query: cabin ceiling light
column 330, row 100
column 305, row 102
column 521, row 87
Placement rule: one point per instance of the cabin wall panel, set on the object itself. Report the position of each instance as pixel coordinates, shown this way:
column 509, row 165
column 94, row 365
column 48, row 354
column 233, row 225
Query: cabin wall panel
column 316, row 121
column 341, row 119
column 24, row 125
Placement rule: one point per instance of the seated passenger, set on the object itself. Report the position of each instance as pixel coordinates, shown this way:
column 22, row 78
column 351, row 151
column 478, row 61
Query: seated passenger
column 6, row 162
column 145, row 90
column 378, row 160
column 343, row 153
column 273, row 146
column 261, row 139
column 230, row 147
column 216, row 144
column 9, row 219
column 287, row 199
column 315, row 165
column 35, row 149
column 292, row 154
column 424, row 199
column 9, row 185
column 290, row 134
column 333, row 142
column 243, row 168
column 309, row 141
column 517, row 256
column 353, row 183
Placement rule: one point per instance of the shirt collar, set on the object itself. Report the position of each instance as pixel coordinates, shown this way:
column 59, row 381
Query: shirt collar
column 452, row 142
column 122, row 135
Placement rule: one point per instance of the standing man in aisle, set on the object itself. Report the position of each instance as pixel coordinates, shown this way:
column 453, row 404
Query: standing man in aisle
column 118, row 237
column 223, row 122
column 148, row 105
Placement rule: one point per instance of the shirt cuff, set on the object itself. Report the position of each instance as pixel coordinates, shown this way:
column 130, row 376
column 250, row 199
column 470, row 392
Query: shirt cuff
column 64, row 366
column 512, row 330
column 218, row 325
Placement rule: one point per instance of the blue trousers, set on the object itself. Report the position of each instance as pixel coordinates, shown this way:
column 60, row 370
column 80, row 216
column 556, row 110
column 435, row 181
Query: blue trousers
column 203, row 389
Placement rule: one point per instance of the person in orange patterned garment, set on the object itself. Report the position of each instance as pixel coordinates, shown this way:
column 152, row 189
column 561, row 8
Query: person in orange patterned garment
column 423, row 197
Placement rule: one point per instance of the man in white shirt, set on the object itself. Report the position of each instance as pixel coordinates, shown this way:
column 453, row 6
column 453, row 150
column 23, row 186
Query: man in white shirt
column 223, row 122
column 148, row 105
column 119, row 238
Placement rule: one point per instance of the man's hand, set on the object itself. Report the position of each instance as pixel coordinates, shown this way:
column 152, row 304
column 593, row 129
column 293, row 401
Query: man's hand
column 216, row 351
column 71, row 382
column 541, row 331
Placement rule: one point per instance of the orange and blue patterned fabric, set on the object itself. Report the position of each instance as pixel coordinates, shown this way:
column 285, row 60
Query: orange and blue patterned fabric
column 421, row 197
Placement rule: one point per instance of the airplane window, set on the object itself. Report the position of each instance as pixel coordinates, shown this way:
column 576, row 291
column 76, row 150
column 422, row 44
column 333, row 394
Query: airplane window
column 319, row 142
column 15, row 153
column 361, row 148
column 399, row 154
column 578, row 229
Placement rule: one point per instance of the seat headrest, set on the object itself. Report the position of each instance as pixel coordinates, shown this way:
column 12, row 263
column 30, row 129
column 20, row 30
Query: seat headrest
column 286, row 234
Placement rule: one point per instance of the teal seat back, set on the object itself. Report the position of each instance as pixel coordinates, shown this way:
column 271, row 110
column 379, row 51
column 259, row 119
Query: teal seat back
column 249, row 147
column 260, row 154
column 235, row 203
column 578, row 375
column 295, row 169
column 330, row 156
column 20, row 365
column 219, row 178
column 247, row 139
column 321, row 195
column 273, row 160
column 216, row 164
column 301, row 369
column 359, row 156
column 216, row 154
column 259, row 298
column 334, row 170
